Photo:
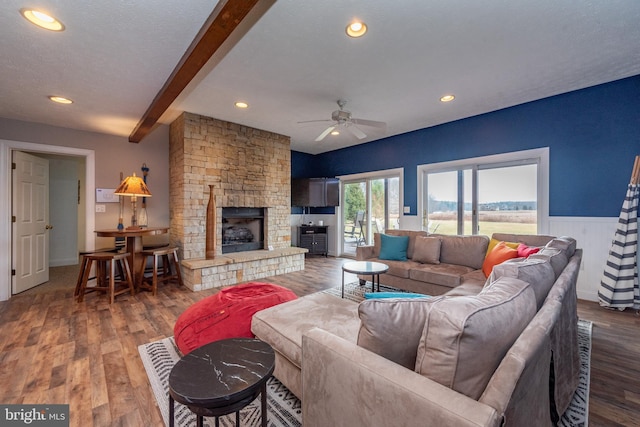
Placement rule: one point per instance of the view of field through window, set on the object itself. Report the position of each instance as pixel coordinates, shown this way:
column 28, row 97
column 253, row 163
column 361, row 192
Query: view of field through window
column 507, row 201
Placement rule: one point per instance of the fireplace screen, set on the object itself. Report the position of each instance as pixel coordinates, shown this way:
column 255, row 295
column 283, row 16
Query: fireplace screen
column 242, row 229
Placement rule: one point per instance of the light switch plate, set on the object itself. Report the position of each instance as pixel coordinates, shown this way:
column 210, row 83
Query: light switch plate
column 406, row 209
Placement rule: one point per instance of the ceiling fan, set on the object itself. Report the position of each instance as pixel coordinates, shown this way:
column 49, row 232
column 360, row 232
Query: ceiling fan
column 344, row 119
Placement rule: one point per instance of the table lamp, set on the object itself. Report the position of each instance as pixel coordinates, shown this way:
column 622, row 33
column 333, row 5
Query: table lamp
column 133, row 186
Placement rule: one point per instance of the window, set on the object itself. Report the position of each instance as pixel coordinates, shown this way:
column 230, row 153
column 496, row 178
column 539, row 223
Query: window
column 505, row 193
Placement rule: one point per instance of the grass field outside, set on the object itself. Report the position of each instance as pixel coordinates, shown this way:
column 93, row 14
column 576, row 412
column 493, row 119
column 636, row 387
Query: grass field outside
column 517, row 222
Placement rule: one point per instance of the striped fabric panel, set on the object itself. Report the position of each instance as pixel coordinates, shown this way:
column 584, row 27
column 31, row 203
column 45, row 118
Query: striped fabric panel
column 619, row 284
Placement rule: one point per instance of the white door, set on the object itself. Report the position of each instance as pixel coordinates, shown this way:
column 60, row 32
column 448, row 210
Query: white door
column 31, row 224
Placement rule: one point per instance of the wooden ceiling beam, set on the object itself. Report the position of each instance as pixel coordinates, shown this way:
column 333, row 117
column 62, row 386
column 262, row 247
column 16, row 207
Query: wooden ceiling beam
column 215, row 31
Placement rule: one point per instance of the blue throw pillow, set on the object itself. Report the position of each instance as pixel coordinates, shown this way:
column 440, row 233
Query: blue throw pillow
column 371, row 295
column 393, row 248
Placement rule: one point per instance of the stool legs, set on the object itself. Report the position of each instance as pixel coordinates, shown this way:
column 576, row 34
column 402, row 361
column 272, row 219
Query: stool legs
column 106, row 265
column 165, row 262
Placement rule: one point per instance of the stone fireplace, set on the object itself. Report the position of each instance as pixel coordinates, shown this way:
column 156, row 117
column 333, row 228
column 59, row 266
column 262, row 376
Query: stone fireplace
column 248, row 168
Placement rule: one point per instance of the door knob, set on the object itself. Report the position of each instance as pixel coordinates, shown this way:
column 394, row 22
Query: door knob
column 48, row 227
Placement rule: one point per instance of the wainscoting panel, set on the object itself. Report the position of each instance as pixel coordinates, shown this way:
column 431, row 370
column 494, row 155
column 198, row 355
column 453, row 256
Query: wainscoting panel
column 594, row 236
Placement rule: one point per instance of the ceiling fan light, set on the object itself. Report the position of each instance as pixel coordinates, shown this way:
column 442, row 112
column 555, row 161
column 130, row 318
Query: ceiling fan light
column 356, row 29
column 41, row 19
column 60, row 100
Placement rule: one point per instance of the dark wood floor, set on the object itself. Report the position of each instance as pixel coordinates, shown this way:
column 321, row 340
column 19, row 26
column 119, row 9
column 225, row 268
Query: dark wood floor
column 54, row 350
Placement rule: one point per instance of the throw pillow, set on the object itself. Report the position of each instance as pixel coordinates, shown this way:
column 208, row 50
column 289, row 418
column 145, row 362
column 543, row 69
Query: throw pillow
column 493, row 242
column 427, row 250
column 524, row 250
column 392, row 327
column 372, row 295
column 465, row 338
column 500, row 253
column 393, row 248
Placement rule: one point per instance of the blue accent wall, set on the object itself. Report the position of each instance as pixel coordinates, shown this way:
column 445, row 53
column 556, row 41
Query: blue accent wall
column 593, row 137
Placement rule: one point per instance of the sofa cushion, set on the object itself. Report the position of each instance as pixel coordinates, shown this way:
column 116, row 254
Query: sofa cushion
column 466, row 289
column 537, row 272
column 440, row 274
column 565, row 244
column 282, row 326
column 465, row 338
column 400, row 268
column 412, row 234
column 392, row 327
column 500, row 253
column 427, row 250
column 475, row 278
column 393, row 248
column 464, row 250
column 556, row 257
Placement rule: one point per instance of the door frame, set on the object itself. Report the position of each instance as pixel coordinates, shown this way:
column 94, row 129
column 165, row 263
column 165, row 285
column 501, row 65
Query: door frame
column 385, row 173
column 6, row 149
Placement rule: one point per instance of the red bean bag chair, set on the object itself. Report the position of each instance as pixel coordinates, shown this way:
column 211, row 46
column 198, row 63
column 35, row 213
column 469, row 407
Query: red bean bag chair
column 226, row 314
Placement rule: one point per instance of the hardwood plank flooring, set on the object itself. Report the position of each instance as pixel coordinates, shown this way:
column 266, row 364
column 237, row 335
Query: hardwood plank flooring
column 55, row 350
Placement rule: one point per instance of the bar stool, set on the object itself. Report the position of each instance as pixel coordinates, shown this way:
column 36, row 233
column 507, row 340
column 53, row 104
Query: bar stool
column 169, row 257
column 106, row 278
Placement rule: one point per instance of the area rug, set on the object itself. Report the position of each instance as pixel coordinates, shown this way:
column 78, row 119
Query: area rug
column 284, row 408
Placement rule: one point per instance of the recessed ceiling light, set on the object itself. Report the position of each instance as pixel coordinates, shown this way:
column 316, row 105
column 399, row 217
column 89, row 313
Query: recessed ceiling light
column 241, row 104
column 356, row 29
column 335, row 133
column 61, row 100
column 447, row 98
column 41, row 19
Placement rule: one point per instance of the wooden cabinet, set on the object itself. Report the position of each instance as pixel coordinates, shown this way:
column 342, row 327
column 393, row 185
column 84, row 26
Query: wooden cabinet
column 313, row 238
column 315, row 192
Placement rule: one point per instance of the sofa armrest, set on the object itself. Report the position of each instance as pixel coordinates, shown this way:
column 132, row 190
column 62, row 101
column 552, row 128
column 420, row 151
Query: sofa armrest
column 365, row 252
column 346, row 385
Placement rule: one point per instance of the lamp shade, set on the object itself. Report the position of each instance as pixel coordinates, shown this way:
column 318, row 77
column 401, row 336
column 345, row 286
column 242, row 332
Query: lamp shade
column 132, row 186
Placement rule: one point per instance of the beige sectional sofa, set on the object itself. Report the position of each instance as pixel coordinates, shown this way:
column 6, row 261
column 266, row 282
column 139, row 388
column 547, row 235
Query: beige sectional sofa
column 459, row 359
column 435, row 270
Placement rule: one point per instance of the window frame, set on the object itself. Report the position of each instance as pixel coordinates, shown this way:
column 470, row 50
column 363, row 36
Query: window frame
column 540, row 156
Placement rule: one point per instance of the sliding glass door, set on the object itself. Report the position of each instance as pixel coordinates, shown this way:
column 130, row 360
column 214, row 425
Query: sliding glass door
column 370, row 205
column 482, row 198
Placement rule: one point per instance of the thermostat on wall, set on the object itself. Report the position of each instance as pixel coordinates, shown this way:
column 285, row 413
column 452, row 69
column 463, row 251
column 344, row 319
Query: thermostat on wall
column 105, row 195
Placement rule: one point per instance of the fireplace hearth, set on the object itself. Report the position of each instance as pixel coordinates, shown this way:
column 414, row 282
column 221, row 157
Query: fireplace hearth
column 242, row 229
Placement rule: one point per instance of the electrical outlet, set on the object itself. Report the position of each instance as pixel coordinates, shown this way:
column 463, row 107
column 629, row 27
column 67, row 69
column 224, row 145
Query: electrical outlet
column 101, row 208
column 407, row 209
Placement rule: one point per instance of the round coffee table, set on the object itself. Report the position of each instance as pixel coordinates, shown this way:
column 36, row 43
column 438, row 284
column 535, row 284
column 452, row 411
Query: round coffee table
column 222, row 377
column 375, row 269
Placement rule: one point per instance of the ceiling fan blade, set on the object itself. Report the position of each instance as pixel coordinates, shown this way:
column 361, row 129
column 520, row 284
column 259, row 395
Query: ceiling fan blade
column 357, row 132
column 314, row 121
column 372, row 123
column 325, row 133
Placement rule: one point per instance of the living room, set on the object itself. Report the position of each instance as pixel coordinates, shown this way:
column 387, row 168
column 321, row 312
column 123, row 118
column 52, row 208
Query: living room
column 591, row 134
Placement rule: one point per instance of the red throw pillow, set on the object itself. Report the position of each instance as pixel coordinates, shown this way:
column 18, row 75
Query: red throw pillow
column 226, row 314
column 500, row 253
column 524, row 251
